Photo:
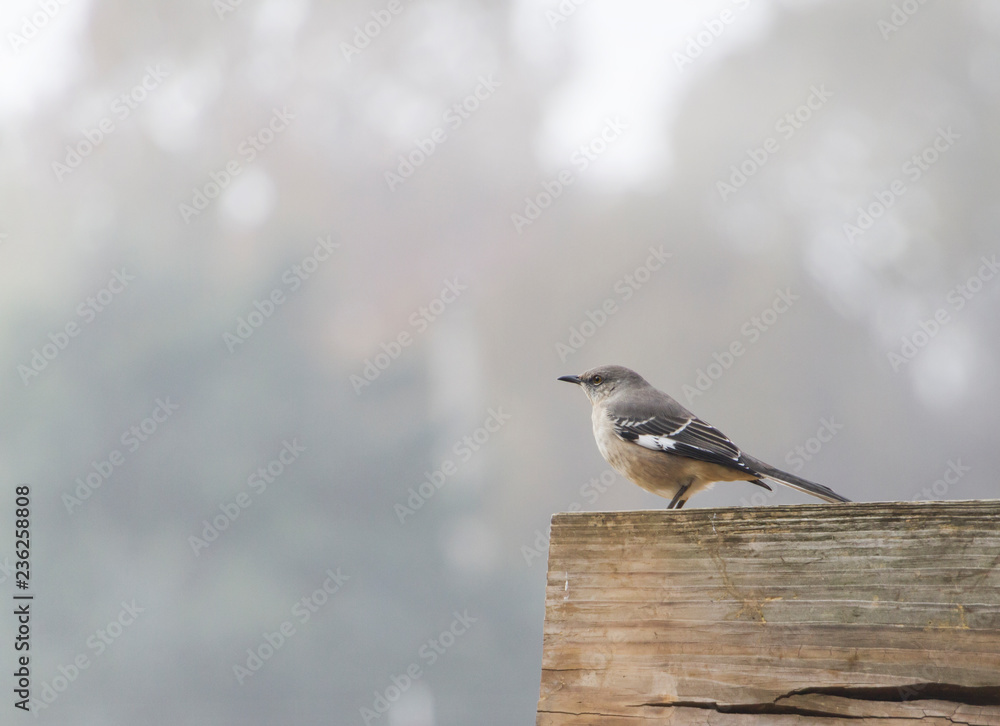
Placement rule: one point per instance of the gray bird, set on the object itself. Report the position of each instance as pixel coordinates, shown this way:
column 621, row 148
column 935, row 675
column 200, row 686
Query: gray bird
column 655, row 442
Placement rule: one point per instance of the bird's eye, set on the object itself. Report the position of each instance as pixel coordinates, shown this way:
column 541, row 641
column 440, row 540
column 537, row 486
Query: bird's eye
column 596, row 380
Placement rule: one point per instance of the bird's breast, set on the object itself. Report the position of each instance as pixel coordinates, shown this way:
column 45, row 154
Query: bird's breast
column 612, row 447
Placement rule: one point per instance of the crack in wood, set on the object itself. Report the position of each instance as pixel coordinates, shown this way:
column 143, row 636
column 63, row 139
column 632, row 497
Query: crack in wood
column 947, row 692
column 924, row 691
column 769, row 709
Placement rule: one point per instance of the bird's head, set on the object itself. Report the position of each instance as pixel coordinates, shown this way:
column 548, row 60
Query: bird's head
column 599, row 383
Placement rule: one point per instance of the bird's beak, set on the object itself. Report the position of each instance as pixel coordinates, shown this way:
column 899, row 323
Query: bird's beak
column 570, row 379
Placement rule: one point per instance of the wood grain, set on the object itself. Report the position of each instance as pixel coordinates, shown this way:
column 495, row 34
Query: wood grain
column 884, row 613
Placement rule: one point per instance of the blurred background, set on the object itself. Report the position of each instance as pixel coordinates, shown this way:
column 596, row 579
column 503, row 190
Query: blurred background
column 287, row 285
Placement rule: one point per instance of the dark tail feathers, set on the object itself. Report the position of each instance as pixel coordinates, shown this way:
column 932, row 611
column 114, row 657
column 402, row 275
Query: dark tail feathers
column 795, row 482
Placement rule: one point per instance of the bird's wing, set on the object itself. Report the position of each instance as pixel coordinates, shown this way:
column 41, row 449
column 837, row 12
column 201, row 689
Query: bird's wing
column 682, row 434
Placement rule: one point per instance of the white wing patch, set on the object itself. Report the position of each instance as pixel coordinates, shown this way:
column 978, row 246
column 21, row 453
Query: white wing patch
column 656, row 443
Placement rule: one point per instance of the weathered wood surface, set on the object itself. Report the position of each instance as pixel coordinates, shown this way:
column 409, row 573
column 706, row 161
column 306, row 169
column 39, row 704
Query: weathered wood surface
column 882, row 613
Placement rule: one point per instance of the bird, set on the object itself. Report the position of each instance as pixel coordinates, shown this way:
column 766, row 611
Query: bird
column 653, row 441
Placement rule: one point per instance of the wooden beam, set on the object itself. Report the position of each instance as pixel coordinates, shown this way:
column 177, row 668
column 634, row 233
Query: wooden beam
column 881, row 613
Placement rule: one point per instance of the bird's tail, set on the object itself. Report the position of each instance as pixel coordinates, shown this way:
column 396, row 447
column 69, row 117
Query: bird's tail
column 795, row 482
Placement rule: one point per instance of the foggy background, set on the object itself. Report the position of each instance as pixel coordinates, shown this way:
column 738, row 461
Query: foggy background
column 818, row 184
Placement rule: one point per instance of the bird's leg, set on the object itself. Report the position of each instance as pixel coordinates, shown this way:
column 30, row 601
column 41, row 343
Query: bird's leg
column 676, row 502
